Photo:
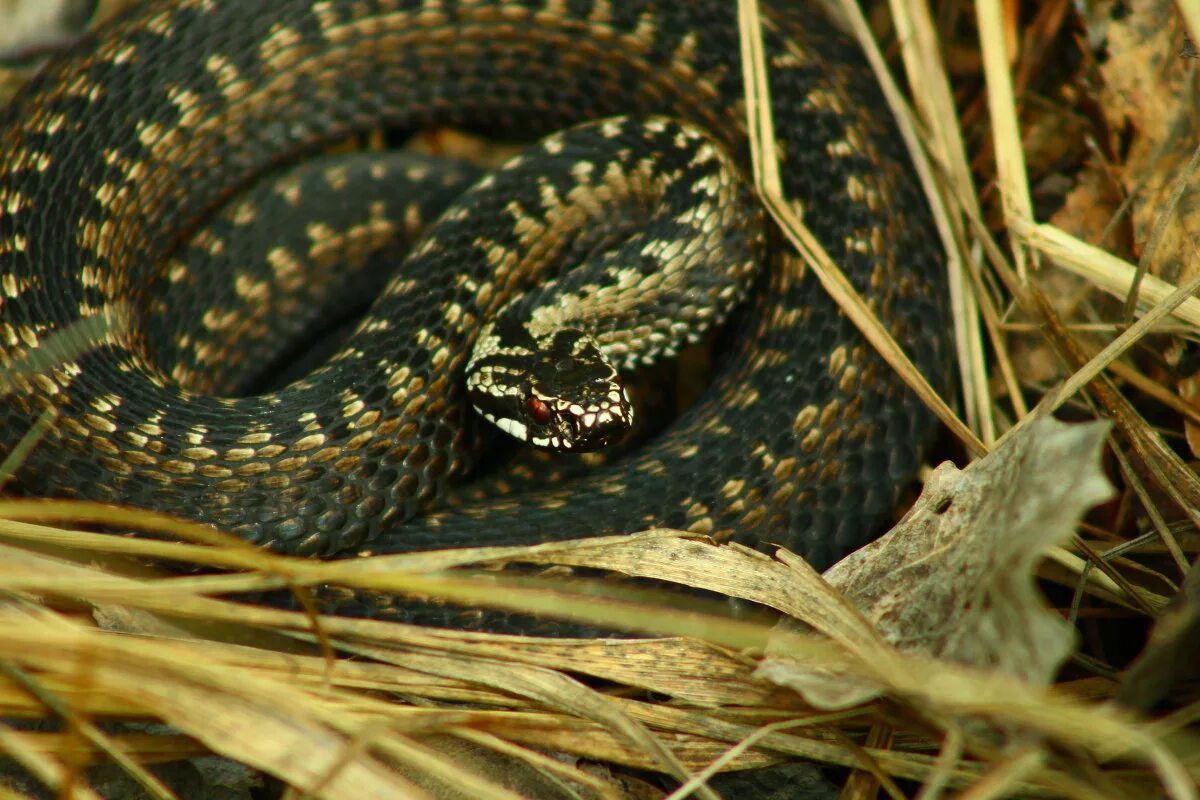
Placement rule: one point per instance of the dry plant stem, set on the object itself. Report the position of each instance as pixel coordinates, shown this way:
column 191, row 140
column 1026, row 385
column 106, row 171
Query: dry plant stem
column 1172, row 652
column 1190, row 11
column 1000, row 782
column 1094, row 366
column 63, row 346
column 726, row 758
column 1099, row 583
column 1160, row 461
column 963, row 194
column 359, row 744
column 1098, row 561
column 145, row 521
column 967, row 205
column 865, row 784
column 18, row 746
column 978, row 404
column 439, row 766
column 555, row 690
column 94, row 736
column 1171, row 328
column 1156, row 518
column 1182, row 181
column 1154, row 389
column 146, row 748
column 1036, row 46
column 767, row 181
column 1126, row 206
column 29, row 441
column 894, row 763
column 994, row 326
column 907, row 766
column 939, row 133
column 1055, row 335
column 1010, row 157
column 1099, row 267
column 549, row 766
column 920, row 49
column 1171, row 474
column 948, row 756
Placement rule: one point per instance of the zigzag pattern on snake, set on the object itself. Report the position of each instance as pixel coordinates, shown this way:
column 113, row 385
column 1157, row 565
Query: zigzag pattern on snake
column 123, row 148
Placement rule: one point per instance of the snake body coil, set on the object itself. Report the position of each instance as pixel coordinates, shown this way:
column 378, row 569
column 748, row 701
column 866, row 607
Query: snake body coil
column 124, row 147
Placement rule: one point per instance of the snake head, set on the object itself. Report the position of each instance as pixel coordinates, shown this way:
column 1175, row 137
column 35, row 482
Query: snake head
column 557, row 392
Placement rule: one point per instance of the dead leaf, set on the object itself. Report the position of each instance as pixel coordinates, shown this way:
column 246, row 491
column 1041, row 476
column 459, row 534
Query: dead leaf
column 1146, row 89
column 955, row 578
column 1172, row 653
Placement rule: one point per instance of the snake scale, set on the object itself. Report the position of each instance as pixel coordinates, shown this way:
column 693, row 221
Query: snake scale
column 125, row 146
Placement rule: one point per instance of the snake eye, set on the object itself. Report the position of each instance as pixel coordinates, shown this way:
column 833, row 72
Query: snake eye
column 539, row 410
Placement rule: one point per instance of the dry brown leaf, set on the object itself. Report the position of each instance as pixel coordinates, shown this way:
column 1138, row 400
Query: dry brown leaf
column 1146, row 90
column 1088, row 211
column 1173, row 652
column 955, row 578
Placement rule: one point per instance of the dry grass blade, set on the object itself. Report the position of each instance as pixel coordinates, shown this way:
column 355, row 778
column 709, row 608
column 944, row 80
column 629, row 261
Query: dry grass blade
column 766, row 178
column 1010, row 155
column 1119, row 345
column 93, row 735
column 1104, row 270
column 243, row 684
column 1191, row 15
column 940, row 135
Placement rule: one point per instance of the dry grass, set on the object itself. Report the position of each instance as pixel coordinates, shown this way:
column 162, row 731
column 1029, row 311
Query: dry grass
column 89, row 634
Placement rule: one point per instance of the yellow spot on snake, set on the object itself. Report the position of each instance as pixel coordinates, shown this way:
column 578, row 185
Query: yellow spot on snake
column 309, row 442
column 149, row 133
column 12, row 286
column 159, row 23
column 280, row 40
column 326, row 454
column 837, row 360
column 232, row 86
column 829, row 413
column 124, row 54
column 804, row 419
column 849, row 380
column 367, row 418
column 16, row 244
column 191, row 111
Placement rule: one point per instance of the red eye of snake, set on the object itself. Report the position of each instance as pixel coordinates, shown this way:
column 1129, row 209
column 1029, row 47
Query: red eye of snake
column 539, row 410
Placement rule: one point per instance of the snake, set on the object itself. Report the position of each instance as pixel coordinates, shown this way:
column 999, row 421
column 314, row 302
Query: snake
column 126, row 146
column 151, row 234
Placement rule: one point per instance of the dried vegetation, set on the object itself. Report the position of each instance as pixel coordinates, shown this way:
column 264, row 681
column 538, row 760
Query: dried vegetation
column 1059, row 147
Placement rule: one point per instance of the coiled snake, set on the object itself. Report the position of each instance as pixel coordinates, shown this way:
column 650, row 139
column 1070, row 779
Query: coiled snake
column 124, row 147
